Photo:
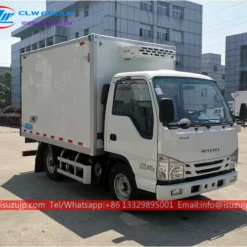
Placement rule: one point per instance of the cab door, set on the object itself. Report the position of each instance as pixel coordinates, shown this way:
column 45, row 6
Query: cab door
column 131, row 128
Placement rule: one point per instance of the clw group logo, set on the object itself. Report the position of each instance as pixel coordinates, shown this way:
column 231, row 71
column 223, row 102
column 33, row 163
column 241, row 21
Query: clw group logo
column 6, row 15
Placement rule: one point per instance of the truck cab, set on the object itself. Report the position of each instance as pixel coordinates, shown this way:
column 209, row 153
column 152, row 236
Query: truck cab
column 164, row 123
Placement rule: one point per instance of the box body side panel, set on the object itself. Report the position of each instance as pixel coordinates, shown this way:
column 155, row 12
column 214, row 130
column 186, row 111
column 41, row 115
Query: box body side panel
column 56, row 95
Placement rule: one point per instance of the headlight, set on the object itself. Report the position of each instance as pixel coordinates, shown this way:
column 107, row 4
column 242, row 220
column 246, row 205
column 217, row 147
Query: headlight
column 234, row 159
column 169, row 169
column 233, row 162
column 176, row 170
column 163, row 165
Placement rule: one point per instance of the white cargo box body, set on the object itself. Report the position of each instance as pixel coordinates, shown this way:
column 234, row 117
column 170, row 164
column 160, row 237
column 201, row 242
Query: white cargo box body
column 240, row 97
column 62, row 85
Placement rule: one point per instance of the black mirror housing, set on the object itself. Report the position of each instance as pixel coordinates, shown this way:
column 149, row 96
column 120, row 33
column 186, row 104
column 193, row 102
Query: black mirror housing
column 104, row 94
column 166, row 110
column 243, row 112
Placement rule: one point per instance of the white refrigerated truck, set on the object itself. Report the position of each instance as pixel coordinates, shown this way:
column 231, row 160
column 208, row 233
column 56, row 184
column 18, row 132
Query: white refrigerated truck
column 239, row 98
column 115, row 111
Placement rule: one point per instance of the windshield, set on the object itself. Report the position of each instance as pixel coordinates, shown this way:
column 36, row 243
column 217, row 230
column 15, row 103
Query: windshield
column 195, row 99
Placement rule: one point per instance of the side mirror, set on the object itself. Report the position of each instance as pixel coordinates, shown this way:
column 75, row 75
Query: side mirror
column 104, row 94
column 166, row 111
column 243, row 112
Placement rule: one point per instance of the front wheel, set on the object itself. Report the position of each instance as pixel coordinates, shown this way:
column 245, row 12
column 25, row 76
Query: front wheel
column 50, row 166
column 122, row 183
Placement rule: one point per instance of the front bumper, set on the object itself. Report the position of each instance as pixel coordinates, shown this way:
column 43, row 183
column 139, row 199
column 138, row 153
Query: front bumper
column 163, row 192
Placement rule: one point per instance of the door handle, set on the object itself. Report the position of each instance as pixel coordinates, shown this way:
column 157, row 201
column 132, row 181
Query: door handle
column 113, row 137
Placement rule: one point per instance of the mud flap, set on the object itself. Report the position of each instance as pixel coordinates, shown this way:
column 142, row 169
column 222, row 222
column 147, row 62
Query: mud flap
column 29, row 153
column 39, row 162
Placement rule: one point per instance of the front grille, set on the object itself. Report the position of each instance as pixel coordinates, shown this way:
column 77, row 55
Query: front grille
column 208, row 170
column 209, row 163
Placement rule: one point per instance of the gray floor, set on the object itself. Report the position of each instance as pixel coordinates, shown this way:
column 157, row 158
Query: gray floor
column 37, row 228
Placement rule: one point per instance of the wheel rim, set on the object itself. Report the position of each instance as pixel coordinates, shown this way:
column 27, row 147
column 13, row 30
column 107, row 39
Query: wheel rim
column 122, row 187
column 50, row 164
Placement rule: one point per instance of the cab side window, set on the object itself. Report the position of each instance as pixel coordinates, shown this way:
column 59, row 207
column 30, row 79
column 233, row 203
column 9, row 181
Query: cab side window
column 132, row 99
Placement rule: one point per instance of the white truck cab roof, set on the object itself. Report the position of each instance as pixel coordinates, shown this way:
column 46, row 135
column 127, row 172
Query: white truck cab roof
column 172, row 73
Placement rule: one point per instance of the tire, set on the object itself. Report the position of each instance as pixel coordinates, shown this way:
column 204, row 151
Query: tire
column 50, row 168
column 122, row 183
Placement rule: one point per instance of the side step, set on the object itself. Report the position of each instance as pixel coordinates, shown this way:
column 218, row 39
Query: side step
column 87, row 170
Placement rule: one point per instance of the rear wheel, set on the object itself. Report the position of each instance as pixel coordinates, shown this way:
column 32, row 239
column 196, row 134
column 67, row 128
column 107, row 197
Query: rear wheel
column 50, row 166
column 122, row 183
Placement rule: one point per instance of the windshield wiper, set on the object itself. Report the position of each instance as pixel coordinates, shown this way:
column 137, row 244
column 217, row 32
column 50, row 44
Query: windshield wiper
column 200, row 124
column 225, row 123
column 219, row 122
column 212, row 122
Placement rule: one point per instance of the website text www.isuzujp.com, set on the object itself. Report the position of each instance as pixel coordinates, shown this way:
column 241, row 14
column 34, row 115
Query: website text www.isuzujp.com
column 46, row 23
